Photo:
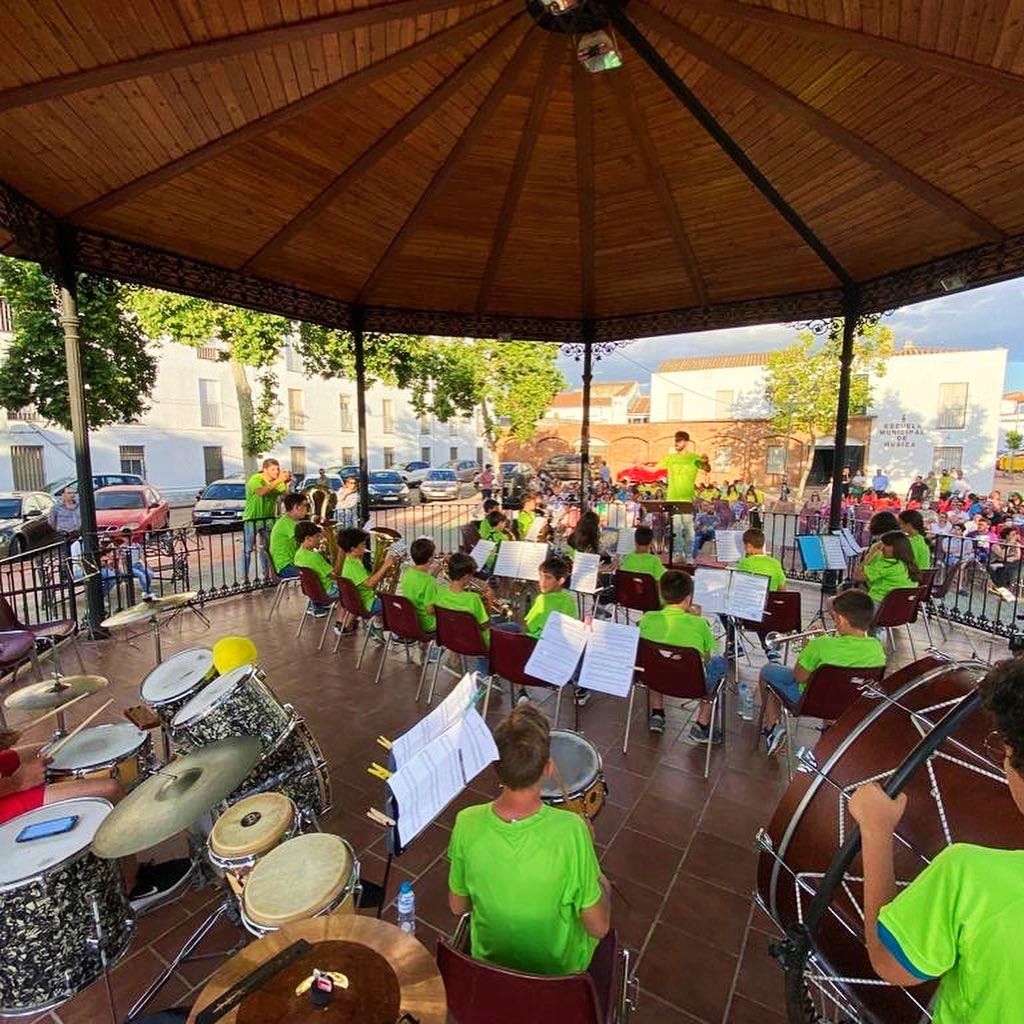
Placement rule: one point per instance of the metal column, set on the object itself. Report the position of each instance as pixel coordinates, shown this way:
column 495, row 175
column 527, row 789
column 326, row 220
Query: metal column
column 851, row 313
column 588, row 375
column 360, row 354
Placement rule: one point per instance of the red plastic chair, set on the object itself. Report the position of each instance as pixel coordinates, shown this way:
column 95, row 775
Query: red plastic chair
column 899, row 608
column 673, row 672
column 635, row 591
column 509, row 654
column 16, row 647
column 402, row 623
column 782, row 614
column 354, row 611
column 56, row 632
column 483, row 993
column 458, row 632
column 314, row 590
column 926, row 584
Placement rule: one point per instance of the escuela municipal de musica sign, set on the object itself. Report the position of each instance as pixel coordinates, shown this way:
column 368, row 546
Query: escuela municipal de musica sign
column 902, row 433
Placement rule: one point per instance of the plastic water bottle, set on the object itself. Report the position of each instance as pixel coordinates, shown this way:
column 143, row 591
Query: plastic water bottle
column 407, row 908
column 746, row 695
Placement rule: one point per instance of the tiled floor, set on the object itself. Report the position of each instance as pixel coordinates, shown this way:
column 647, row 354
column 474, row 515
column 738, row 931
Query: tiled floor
column 678, row 849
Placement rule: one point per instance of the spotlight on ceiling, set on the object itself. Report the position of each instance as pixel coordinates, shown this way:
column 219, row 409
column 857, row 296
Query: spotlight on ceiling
column 597, row 52
column 557, row 7
column 952, row 282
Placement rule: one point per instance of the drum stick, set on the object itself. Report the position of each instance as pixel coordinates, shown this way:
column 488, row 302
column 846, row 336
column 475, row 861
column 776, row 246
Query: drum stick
column 53, row 711
column 78, row 728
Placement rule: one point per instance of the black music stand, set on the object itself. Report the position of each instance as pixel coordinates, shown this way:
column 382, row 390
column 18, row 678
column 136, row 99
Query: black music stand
column 830, row 580
column 671, row 508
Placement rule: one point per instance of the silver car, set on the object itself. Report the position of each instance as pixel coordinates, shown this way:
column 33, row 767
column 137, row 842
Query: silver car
column 220, row 506
column 440, row 485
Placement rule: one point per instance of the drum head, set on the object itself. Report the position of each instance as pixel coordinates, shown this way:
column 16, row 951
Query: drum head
column 210, row 695
column 102, row 744
column 578, row 764
column 176, row 675
column 252, row 826
column 23, row 860
column 298, row 879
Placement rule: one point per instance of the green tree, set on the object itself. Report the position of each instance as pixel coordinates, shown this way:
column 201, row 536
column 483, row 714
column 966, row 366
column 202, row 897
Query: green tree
column 802, row 382
column 119, row 370
column 247, row 340
column 1014, row 443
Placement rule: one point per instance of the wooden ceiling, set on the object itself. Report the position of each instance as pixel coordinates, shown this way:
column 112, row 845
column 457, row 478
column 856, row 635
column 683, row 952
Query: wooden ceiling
column 449, row 166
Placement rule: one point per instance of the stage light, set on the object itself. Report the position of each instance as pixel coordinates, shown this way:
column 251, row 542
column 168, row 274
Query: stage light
column 557, row 7
column 597, row 52
column 952, row 282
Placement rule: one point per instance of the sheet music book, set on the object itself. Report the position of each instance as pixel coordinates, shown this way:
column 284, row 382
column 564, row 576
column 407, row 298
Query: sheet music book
column 729, row 545
column 730, row 592
column 626, row 543
column 850, row 546
column 557, row 652
column 520, row 559
column 427, row 729
column 609, row 657
column 536, row 526
column 616, row 518
column 584, row 573
column 482, row 550
column 821, row 551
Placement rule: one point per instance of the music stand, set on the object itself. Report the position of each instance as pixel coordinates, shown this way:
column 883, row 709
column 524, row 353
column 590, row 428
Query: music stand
column 813, row 558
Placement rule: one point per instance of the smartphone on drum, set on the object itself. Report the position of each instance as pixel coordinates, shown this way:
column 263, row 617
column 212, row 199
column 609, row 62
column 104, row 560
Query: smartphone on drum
column 42, row 829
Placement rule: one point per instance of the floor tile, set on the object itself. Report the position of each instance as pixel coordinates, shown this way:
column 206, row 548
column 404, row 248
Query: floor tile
column 726, row 864
column 652, row 1010
column 701, row 909
column 738, row 823
column 760, row 977
column 663, row 820
column 634, row 908
column 744, row 1011
column 649, row 861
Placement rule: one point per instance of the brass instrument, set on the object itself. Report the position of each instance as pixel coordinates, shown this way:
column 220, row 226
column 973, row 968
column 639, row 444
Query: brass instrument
column 775, row 640
column 381, row 540
column 322, row 502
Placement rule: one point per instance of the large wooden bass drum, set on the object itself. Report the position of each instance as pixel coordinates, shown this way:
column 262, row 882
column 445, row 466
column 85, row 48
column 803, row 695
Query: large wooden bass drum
column 922, row 732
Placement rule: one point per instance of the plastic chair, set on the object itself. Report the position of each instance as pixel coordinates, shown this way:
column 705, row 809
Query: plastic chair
column 402, row 623
column 281, row 584
column 458, row 632
column 56, row 632
column 635, row 591
column 898, row 608
column 782, row 614
column 314, row 590
column 16, row 647
column 354, row 610
column 509, row 654
column 483, row 993
column 926, row 584
column 674, row 672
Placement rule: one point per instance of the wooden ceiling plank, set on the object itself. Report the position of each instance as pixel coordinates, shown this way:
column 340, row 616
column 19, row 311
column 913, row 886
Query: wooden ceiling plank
column 775, row 96
column 553, row 51
column 503, row 85
column 213, row 50
column 399, row 131
column 656, row 178
column 330, row 93
column 583, row 114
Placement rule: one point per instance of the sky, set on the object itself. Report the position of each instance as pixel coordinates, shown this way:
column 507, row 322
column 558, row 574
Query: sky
column 990, row 317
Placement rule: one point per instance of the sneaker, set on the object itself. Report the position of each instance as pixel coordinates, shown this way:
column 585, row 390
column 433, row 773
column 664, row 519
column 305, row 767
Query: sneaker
column 1006, row 593
column 656, row 722
column 522, row 697
column 159, row 882
column 774, row 656
column 699, row 733
column 776, row 739
column 582, row 696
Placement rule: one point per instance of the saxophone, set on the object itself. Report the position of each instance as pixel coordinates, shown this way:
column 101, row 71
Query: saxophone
column 381, row 539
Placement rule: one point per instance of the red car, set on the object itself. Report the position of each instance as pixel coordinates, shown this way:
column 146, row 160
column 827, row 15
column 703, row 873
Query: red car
column 140, row 508
column 642, row 473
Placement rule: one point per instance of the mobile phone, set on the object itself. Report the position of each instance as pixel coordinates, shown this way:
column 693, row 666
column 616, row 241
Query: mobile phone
column 50, row 827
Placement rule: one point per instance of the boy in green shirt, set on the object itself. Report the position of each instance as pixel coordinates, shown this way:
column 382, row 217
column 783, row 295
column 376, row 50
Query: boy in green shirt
column 418, row 583
column 851, row 647
column 307, row 556
column 675, row 625
column 352, row 543
column 643, row 559
column 754, row 560
column 461, row 569
column 262, row 490
column 526, row 871
column 553, row 575
column 959, row 920
column 283, row 544
column 525, row 518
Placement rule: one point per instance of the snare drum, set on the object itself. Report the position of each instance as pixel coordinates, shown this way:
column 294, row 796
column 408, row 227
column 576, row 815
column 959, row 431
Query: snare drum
column 578, row 783
column 174, row 682
column 249, row 830
column 238, row 703
column 119, row 751
column 308, row 876
column 46, row 922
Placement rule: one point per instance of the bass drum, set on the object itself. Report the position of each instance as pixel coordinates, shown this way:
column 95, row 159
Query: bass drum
column 955, row 794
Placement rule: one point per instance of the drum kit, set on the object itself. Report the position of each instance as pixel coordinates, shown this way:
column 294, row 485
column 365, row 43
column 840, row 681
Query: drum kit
column 578, row 784
column 155, row 611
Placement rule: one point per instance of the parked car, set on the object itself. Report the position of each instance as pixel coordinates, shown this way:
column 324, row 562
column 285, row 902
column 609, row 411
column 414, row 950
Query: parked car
column 333, row 480
column 139, row 508
column 57, row 487
column 466, row 470
column 565, row 466
column 23, row 523
column 343, row 471
column 440, row 485
column 642, row 473
column 507, row 469
column 387, row 489
column 220, row 504
column 413, row 473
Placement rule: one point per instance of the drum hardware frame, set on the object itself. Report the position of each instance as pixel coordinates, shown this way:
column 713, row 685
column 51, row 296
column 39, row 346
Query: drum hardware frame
column 95, row 943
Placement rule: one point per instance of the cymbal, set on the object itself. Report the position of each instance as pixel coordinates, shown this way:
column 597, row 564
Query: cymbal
column 146, row 610
column 53, row 693
column 170, row 801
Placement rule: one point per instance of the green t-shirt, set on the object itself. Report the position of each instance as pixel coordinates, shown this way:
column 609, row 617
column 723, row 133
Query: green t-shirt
column 885, row 574
column 282, row 542
column 261, row 506
column 523, row 523
column 842, row 651
column 312, row 559
column 682, row 475
column 491, row 533
column 645, row 562
column 764, row 565
column 922, row 553
column 354, row 570
column 420, row 588
column 678, row 628
column 527, row 881
column 961, row 919
column 544, row 604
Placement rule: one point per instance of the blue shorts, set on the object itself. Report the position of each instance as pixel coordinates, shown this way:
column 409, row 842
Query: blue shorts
column 782, row 680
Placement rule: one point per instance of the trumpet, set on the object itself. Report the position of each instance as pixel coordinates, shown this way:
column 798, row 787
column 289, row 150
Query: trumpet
column 775, row 640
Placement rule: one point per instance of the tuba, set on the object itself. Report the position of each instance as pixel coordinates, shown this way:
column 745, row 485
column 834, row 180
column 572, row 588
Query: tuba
column 381, row 540
column 322, row 502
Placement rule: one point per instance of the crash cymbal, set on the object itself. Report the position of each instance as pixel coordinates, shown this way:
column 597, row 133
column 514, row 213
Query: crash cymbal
column 53, row 693
column 145, row 610
column 170, row 801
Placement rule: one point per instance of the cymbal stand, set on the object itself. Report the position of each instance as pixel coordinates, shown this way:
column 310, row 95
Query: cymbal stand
column 96, row 942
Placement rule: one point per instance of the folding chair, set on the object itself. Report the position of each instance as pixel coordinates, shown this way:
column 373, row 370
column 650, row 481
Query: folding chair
column 926, row 607
column 898, row 608
column 314, row 590
column 281, row 584
column 458, row 632
column 54, row 633
column 635, row 591
column 402, row 623
column 16, row 647
column 674, row 672
column 355, row 610
column 509, row 654
column 781, row 615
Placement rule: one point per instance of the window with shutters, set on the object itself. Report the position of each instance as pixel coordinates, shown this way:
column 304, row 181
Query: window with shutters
column 952, row 406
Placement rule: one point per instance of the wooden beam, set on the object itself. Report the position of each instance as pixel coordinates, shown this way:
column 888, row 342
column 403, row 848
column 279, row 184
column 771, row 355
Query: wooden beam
column 329, row 93
column 657, row 180
column 823, row 33
column 775, row 96
column 400, row 130
column 214, row 50
column 583, row 114
column 557, row 47
column 502, row 87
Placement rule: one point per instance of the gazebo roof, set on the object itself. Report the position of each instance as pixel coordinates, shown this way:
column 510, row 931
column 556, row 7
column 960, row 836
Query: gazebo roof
column 451, row 168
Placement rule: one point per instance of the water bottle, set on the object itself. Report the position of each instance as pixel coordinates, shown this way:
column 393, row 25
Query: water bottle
column 407, row 908
column 746, row 694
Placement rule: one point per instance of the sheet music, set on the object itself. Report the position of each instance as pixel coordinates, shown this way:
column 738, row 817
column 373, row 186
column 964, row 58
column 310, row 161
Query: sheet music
column 520, row 559
column 536, row 526
column 835, row 557
column 557, row 653
column 428, row 728
column 711, row 590
column 482, row 550
column 610, row 657
column 729, row 545
column 850, row 546
column 747, row 595
column 584, row 573
column 616, row 518
column 439, row 772
column 626, row 544
column 811, row 551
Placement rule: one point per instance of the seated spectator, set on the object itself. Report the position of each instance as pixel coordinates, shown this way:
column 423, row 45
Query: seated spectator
column 1004, row 563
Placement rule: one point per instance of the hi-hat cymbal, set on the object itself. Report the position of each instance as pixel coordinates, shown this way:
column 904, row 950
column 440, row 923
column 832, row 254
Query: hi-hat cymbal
column 145, row 610
column 53, row 693
column 170, row 801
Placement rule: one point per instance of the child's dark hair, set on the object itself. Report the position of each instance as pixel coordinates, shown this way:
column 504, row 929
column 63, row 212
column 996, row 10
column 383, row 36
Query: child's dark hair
column 855, row 606
column 490, row 505
column 587, row 535
column 1002, row 695
column 676, row 586
column 351, row 537
column 495, row 517
column 754, row 537
column 422, row 550
column 881, row 523
column 461, row 565
column 557, row 566
column 902, row 551
column 293, row 501
column 304, row 529
column 643, row 535
column 911, row 517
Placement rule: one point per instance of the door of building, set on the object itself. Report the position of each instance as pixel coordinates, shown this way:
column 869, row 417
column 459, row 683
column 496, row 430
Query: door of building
column 824, row 458
column 213, row 463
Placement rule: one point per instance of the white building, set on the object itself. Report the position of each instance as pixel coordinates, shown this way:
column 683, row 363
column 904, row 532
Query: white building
column 1011, row 416
column 192, row 433
column 932, row 408
column 612, row 402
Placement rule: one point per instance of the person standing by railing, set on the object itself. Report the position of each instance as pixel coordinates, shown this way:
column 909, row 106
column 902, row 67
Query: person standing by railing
column 262, row 490
column 65, row 516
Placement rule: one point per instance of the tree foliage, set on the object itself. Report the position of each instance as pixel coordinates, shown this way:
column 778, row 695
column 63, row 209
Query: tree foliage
column 1014, row 441
column 118, row 368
